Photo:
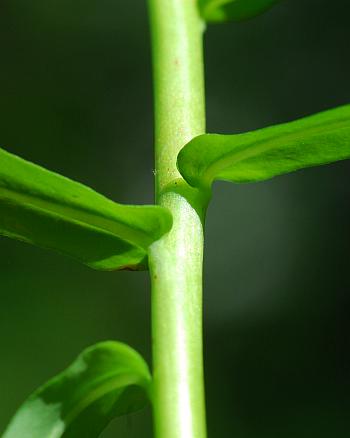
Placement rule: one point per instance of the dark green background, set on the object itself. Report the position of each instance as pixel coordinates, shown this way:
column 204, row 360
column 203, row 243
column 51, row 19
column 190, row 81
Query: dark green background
column 76, row 97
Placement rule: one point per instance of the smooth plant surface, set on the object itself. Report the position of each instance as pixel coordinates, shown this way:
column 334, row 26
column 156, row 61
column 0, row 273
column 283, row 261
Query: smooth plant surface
column 235, row 10
column 51, row 211
column 259, row 155
column 104, row 382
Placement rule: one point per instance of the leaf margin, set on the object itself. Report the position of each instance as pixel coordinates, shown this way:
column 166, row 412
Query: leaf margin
column 25, row 185
column 220, row 11
column 98, row 352
column 210, row 157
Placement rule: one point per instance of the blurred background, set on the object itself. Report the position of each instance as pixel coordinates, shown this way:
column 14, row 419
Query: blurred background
column 76, row 97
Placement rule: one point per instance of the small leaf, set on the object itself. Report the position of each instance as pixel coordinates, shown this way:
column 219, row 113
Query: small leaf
column 107, row 380
column 51, row 211
column 235, row 10
column 259, row 155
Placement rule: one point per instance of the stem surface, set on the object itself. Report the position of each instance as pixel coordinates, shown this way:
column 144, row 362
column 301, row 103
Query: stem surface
column 176, row 260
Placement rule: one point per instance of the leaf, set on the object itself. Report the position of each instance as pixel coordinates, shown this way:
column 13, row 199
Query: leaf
column 259, row 155
column 107, row 380
column 236, row 10
column 51, row 211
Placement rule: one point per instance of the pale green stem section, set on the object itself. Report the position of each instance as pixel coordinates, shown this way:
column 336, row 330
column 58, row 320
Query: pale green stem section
column 176, row 260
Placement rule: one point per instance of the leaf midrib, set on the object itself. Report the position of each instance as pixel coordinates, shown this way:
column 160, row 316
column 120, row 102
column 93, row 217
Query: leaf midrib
column 120, row 230
column 213, row 171
column 110, row 384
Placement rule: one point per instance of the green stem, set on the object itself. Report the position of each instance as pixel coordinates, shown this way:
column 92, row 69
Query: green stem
column 176, row 260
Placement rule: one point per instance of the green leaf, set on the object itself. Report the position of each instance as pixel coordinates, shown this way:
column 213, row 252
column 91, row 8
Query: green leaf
column 51, row 211
column 107, row 380
column 259, row 155
column 235, row 10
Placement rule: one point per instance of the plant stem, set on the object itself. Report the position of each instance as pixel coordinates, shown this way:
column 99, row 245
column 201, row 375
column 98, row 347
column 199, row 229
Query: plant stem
column 176, row 260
